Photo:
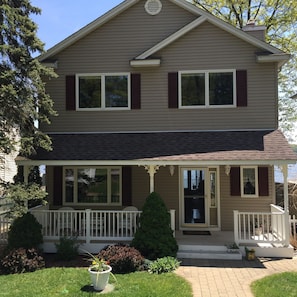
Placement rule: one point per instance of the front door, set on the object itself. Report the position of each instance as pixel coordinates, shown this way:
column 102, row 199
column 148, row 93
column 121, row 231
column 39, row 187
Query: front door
column 199, row 197
column 194, row 202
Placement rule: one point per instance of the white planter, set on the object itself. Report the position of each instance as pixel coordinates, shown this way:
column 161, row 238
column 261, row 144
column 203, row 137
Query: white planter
column 100, row 278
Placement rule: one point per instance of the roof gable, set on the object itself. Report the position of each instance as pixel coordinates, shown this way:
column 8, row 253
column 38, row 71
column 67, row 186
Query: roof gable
column 202, row 16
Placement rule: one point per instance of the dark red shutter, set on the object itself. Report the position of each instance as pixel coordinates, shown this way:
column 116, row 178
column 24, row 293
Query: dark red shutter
column 58, row 186
column 173, row 90
column 126, row 185
column 235, row 181
column 263, row 180
column 135, row 91
column 241, row 87
column 70, row 92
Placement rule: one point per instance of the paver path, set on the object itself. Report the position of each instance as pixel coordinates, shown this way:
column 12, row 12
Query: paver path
column 226, row 278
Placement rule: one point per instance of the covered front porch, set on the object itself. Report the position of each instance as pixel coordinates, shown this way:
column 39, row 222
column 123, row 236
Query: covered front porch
column 264, row 232
column 201, row 177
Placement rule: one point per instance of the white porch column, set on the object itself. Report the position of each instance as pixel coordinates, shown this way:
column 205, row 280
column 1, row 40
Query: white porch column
column 284, row 169
column 152, row 170
column 26, row 174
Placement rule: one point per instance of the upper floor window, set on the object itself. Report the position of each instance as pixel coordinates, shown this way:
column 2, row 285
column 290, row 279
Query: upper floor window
column 103, row 91
column 207, row 88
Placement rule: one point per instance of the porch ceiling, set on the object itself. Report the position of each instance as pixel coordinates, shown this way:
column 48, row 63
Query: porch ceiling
column 169, row 147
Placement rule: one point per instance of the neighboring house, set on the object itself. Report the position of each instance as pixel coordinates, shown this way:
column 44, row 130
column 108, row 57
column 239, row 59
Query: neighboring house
column 8, row 167
column 158, row 95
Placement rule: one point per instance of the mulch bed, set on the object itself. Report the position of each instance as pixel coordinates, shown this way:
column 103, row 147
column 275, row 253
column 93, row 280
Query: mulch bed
column 52, row 261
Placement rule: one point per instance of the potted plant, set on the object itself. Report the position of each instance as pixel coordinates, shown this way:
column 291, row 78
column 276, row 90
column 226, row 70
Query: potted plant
column 250, row 254
column 232, row 248
column 99, row 272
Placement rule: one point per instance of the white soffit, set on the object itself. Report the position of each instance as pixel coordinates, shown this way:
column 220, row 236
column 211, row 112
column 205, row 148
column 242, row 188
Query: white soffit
column 145, row 63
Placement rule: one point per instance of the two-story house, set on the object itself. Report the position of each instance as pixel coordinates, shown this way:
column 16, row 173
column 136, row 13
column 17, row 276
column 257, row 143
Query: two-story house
column 158, row 95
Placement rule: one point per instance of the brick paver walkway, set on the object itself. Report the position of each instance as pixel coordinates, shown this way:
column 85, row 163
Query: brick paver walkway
column 226, row 278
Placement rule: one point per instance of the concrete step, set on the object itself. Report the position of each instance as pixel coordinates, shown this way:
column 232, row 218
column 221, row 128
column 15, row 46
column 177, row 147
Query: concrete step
column 207, row 252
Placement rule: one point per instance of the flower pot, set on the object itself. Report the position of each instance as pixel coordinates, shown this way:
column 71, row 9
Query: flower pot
column 100, row 278
column 250, row 255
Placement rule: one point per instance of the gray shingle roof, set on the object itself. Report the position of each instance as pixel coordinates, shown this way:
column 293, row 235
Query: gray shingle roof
column 228, row 145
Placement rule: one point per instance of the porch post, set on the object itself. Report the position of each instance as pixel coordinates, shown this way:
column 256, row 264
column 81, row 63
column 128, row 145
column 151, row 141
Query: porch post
column 284, row 169
column 152, row 170
column 26, row 174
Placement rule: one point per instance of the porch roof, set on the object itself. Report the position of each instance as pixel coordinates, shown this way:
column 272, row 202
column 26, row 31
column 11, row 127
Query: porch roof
column 220, row 147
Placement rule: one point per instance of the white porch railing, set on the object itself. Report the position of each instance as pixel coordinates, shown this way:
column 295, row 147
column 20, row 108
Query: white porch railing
column 4, row 227
column 90, row 225
column 261, row 227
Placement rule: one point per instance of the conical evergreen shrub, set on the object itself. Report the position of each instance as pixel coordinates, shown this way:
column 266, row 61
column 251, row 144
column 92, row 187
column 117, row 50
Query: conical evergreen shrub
column 154, row 238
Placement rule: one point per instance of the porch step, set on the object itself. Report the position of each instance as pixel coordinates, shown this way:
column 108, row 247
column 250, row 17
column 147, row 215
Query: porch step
column 207, row 252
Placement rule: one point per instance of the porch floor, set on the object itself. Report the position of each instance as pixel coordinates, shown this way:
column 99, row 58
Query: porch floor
column 216, row 238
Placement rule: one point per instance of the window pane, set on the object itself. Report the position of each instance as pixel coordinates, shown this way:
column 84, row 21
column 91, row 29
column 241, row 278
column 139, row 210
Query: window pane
column 69, row 186
column 92, row 185
column 221, row 88
column 193, row 89
column 116, row 91
column 213, row 191
column 115, row 186
column 90, row 92
column 249, row 181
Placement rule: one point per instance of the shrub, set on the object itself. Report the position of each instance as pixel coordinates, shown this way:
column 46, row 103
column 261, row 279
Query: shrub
column 25, row 232
column 154, row 238
column 67, row 248
column 122, row 258
column 163, row 265
column 21, row 260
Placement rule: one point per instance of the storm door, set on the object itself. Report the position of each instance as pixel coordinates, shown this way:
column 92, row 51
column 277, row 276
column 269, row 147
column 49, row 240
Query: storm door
column 194, row 199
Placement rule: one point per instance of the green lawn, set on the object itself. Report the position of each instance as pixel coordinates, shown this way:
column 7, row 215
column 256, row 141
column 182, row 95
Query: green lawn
column 277, row 285
column 75, row 282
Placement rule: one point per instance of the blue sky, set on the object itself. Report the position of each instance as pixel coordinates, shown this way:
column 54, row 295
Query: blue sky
column 61, row 18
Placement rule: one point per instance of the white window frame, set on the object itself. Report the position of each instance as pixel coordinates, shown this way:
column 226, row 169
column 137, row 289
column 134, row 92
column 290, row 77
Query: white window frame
column 103, row 99
column 75, row 186
column 242, row 182
column 206, row 73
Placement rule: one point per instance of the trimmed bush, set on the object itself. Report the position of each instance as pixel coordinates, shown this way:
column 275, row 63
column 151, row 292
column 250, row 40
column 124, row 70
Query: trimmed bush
column 154, row 238
column 67, row 248
column 21, row 260
column 163, row 265
column 25, row 232
column 122, row 258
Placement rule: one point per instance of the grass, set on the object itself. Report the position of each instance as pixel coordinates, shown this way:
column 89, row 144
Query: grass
column 277, row 285
column 75, row 282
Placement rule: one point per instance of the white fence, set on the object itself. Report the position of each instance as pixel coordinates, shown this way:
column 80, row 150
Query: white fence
column 260, row 227
column 293, row 227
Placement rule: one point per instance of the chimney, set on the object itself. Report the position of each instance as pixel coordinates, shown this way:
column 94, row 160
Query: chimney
column 254, row 30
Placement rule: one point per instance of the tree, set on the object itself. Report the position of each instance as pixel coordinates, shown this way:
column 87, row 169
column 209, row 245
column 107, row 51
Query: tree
column 23, row 99
column 154, row 237
column 280, row 19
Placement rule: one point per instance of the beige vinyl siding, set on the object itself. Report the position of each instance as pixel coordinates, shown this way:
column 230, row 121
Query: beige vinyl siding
column 110, row 49
column 229, row 203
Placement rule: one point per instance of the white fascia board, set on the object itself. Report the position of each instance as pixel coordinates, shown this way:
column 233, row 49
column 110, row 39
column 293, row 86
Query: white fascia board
column 53, row 65
column 87, row 29
column 145, row 63
column 152, row 162
column 171, row 38
column 279, row 58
